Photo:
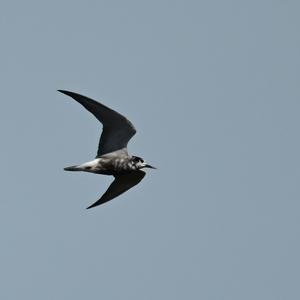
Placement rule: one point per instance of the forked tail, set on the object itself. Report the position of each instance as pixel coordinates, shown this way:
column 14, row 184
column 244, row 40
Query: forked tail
column 73, row 168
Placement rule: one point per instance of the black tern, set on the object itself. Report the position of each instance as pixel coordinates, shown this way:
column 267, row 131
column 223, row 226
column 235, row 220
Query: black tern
column 112, row 156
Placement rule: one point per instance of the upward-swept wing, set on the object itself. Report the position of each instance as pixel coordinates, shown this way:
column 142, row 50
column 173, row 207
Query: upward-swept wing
column 121, row 184
column 117, row 130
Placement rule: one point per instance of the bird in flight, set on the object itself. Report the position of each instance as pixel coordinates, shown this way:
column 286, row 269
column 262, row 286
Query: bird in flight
column 112, row 156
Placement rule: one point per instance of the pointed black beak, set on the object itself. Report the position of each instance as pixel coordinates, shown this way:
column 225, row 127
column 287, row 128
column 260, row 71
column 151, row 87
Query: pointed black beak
column 149, row 166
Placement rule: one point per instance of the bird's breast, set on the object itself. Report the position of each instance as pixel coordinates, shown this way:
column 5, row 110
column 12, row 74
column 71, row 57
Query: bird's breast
column 122, row 164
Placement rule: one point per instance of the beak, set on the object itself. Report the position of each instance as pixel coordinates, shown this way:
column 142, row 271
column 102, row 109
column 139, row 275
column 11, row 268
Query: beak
column 149, row 166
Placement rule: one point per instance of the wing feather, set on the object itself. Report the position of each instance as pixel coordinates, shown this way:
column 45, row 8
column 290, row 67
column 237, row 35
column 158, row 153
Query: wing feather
column 120, row 185
column 117, row 129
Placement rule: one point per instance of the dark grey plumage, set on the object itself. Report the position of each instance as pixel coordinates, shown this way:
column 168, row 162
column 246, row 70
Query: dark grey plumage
column 117, row 130
column 112, row 156
column 121, row 184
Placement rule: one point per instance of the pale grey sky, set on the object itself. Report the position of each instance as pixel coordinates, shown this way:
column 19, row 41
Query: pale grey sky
column 213, row 89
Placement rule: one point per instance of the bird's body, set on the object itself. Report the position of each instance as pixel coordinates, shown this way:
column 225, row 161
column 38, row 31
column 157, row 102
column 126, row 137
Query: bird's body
column 112, row 156
column 113, row 163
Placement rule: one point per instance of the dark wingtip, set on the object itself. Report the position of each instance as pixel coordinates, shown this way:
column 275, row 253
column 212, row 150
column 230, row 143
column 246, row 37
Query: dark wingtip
column 97, row 203
column 64, row 92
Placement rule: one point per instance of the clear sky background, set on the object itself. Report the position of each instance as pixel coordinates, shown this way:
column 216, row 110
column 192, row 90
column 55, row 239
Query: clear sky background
column 213, row 90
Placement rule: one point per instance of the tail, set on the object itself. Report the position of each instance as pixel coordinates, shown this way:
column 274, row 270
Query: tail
column 73, row 168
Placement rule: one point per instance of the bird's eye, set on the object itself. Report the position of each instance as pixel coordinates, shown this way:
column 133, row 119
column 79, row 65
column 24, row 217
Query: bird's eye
column 137, row 159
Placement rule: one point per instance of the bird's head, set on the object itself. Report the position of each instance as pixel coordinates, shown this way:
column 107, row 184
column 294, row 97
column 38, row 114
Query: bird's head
column 139, row 163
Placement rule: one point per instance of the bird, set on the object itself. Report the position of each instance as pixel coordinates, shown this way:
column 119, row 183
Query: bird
column 112, row 155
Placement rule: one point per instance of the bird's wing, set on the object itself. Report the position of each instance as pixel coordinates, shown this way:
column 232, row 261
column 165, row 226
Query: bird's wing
column 121, row 184
column 117, row 130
